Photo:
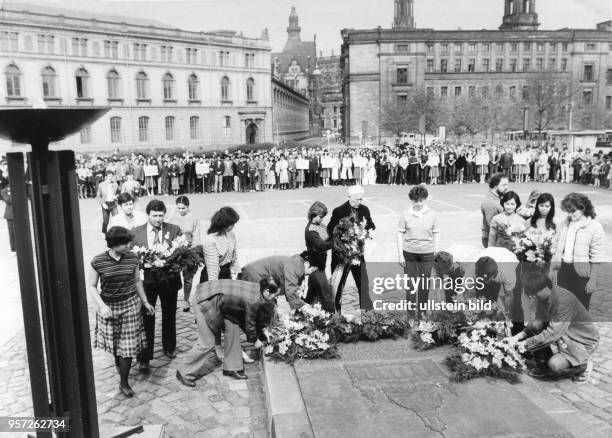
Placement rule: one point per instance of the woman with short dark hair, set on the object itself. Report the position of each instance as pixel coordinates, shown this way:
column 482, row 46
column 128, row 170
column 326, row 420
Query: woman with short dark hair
column 317, row 245
column 119, row 325
column 508, row 223
column 417, row 240
column 580, row 250
column 219, row 244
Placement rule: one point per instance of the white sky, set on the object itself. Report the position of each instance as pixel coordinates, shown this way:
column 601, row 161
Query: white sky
column 327, row 17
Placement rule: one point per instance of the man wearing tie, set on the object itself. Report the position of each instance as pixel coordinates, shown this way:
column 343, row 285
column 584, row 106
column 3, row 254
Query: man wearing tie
column 156, row 231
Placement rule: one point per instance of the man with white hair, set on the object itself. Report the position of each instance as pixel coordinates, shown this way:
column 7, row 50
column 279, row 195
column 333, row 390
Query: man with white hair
column 354, row 208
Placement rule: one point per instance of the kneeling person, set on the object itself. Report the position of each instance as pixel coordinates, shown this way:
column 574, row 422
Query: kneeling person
column 227, row 305
column 563, row 328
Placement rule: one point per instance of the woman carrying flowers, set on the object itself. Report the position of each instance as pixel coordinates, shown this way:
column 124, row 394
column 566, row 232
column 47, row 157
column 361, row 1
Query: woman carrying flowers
column 507, row 224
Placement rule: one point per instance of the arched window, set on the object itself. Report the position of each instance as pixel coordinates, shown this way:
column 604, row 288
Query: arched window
column 82, row 83
column 225, row 85
column 169, row 128
column 250, row 89
column 13, row 81
column 143, row 128
column 194, row 127
column 115, row 127
column 193, row 86
column 142, row 86
column 168, row 85
column 49, row 82
column 113, row 81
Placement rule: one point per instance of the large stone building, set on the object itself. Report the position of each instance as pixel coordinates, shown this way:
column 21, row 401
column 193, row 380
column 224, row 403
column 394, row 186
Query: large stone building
column 330, row 86
column 296, row 66
column 165, row 86
column 385, row 65
column 290, row 113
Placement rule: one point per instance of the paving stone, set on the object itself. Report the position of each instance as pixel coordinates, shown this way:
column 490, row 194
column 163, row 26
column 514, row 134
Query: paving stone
column 218, row 432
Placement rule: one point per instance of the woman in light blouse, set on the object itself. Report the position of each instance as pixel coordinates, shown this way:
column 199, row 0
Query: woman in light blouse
column 219, row 244
column 506, row 223
column 190, row 227
column 580, row 250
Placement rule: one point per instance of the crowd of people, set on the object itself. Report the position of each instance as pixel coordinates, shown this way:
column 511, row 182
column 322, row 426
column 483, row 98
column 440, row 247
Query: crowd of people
column 549, row 305
column 282, row 169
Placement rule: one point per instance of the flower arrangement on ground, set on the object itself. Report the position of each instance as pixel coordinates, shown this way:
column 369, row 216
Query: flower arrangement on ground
column 485, row 351
column 165, row 258
column 534, row 246
column 298, row 336
column 438, row 328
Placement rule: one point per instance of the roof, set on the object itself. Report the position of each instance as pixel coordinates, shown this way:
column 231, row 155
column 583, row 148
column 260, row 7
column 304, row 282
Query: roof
column 75, row 13
column 298, row 50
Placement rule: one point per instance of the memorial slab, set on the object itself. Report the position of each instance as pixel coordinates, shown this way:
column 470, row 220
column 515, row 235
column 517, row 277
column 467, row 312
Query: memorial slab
column 390, row 396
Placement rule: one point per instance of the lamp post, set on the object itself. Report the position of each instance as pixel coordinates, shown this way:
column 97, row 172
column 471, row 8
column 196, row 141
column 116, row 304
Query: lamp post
column 65, row 387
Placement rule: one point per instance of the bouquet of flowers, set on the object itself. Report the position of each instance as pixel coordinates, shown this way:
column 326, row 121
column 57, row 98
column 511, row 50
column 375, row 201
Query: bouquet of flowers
column 534, row 246
column 298, row 336
column 483, row 353
column 438, row 328
column 174, row 257
column 349, row 239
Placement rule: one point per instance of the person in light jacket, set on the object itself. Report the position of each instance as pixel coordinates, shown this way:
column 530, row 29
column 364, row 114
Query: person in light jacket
column 580, row 251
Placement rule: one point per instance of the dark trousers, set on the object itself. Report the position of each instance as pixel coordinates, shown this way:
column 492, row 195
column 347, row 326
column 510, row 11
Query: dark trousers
column 11, row 229
column 360, row 275
column 252, row 179
column 418, row 266
column 413, row 174
column 567, row 278
column 485, row 242
column 319, row 290
column 402, row 175
column 167, row 298
column 225, row 273
column 243, row 182
column 106, row 214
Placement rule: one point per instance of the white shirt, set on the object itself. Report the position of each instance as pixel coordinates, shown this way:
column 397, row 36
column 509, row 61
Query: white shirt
column 151, row 234
column 121, row 220
column 570, row 240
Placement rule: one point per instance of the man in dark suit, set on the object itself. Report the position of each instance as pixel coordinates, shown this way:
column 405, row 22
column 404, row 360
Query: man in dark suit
column 227, row 306
column 353, row 207
column 153, row 232
column 289, row 271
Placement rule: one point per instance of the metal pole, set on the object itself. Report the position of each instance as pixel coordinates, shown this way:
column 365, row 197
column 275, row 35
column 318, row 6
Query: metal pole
column 29, row 291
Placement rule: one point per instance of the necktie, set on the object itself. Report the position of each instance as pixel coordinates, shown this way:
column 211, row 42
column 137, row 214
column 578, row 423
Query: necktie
column 157, row 238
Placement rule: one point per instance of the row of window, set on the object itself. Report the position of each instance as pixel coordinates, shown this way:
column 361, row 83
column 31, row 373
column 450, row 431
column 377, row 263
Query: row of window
column 500, row 92
column 114, row 86
column 144, row 129
column 500, row 65
column 499, row 47
column 9, row 42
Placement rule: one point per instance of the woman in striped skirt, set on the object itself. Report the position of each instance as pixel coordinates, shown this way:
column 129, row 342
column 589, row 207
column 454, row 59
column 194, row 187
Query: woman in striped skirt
column 119, row 326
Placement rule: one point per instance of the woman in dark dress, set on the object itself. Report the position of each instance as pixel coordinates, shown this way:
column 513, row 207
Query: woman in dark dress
column 119, row 325
column 461, row 165
column 317, row 245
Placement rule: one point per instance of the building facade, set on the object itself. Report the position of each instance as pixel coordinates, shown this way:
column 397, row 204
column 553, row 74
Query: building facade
column 290, row 113
column 381, row 66
column 330, row 84
column 297, row 67
column 166, row 87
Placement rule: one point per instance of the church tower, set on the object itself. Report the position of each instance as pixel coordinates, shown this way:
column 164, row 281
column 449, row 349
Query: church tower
column 404, row 14
column 294, row 28
column 520, row 15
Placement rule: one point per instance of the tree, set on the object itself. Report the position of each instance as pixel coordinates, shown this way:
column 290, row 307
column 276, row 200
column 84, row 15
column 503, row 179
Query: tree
column 548, row 94
column 465, row 117
column 398, row 117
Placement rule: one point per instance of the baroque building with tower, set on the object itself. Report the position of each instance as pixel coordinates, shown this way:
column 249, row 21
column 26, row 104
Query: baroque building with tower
column 165, row 86
column 381, row 66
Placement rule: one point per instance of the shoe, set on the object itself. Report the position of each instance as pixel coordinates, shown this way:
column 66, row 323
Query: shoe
column 238, row 375
column 585, row 376
column 186, row 307
column 144, row 367
column 246, row 358
column 170, row 354
column 184, row 381
column 126, row 390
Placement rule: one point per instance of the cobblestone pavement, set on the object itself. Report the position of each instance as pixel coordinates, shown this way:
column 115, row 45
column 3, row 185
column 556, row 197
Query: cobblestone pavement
column 217, row 407
column 221, row 407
